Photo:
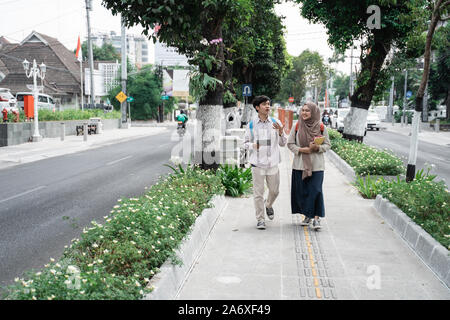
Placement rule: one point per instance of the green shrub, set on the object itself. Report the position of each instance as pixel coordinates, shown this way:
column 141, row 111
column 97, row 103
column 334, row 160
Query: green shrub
column 117, row 260
column 72, row 114
column 423, row 200
column 365, row 159
column 235, row 179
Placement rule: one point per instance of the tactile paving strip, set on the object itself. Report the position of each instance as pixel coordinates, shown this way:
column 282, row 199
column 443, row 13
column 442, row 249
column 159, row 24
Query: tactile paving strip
column 315, row 278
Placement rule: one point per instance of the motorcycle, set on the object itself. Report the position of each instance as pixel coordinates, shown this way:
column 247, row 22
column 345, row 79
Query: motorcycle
column 181, row 129
column 326, row 120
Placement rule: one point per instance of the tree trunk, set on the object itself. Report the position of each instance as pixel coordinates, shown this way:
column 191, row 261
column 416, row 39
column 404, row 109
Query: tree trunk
column 447, row 103
column 371, row 64
column 209, row 115
column 414, row 145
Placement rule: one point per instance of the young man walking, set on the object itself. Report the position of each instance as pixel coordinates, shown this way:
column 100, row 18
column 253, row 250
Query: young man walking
column 264, row 137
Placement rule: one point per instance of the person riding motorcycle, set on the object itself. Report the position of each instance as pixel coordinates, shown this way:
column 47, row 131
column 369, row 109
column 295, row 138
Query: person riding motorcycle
column 182, row 117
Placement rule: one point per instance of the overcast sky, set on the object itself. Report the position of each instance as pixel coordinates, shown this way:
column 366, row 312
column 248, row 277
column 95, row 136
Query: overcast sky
column 65, row 20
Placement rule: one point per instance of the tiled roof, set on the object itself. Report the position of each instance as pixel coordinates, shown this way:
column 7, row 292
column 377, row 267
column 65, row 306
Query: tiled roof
column 63, row 71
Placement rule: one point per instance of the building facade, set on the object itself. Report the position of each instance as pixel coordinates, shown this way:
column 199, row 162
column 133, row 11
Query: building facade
column 137, row 46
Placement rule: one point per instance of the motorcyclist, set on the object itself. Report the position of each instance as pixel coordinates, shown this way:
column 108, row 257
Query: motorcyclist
column 326, row 118
column 182, row 117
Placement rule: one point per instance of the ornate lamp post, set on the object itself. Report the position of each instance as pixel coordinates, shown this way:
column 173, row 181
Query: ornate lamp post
column 35, row 72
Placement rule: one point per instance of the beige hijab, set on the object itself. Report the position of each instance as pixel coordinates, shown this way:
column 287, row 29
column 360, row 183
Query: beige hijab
column 307, row 131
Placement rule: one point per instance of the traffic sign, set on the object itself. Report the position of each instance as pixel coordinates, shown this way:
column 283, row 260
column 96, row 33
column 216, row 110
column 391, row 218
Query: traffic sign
column 130, row 99
column 408, row 94
column 247, row 90
column 291, row 99
column 165, row 97
column 121, row 97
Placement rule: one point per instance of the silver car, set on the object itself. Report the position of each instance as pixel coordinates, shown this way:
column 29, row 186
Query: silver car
column 7, row 100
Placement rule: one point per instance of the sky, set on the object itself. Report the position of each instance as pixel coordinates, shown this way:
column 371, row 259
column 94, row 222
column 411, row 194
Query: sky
column 65, row 20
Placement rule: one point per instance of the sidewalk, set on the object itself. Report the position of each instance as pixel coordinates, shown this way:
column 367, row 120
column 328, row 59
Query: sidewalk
column 427, row 134
column 355, row 255
column 53, row 147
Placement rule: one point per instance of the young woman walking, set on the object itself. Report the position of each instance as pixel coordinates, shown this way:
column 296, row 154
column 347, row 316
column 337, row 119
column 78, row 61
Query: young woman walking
column 308, row 165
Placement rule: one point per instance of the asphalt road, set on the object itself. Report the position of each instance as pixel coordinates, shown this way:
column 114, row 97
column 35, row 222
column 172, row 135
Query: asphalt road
column 427, row 153
column 46, row 204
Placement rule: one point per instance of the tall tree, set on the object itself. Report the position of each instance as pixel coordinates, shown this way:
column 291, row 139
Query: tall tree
column 308, row 71
column 340, row 84
column 439, row 84
column 349, row 20
column 195, row 28
column 438, row 7
column 259, row 50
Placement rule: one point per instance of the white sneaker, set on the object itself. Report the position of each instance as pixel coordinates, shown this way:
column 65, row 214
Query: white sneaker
column 316, row 225
column 305, row 221
column 261, row 225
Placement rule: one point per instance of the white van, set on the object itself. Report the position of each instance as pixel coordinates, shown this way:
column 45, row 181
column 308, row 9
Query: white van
column 44, row 101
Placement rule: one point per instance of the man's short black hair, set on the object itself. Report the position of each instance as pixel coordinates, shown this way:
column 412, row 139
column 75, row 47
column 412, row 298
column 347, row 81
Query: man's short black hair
column 260, row 99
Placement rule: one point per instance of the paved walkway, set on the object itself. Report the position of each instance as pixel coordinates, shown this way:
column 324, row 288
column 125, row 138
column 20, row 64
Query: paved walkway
column 355, row 255
column 426, row 134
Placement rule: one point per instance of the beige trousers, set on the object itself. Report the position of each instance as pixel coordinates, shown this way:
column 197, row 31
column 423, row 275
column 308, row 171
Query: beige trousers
column 272, row 177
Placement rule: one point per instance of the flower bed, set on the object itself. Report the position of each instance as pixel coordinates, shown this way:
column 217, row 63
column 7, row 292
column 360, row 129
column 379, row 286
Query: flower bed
column 425, row 201
column 49, row 115
column 365, row 160
column 117, row 260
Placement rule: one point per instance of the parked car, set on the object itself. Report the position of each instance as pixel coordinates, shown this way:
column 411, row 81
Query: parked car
column 338, row 120
column 7, row 100
column 44, row 101
column 373, row 120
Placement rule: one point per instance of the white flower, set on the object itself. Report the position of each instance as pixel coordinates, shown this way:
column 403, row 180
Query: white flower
column 52, row 260
column 94, row 245
column 72, row 269
column 137, row 284
column 53, row 271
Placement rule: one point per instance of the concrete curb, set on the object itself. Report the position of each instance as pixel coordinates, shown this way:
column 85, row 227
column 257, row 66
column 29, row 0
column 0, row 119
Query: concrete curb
column 170, row 279
column 343, row 166
column 433, row 254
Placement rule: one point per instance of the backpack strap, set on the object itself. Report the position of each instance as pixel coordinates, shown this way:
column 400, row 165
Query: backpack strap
column 322, row 129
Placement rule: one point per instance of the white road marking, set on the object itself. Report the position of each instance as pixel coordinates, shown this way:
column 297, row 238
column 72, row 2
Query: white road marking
column 22, row 194
column 114, row 162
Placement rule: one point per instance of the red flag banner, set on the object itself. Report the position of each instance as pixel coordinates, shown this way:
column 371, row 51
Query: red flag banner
column 78, row 55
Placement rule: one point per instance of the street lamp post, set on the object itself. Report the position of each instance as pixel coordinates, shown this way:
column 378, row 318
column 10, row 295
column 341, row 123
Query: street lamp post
column 35, row 72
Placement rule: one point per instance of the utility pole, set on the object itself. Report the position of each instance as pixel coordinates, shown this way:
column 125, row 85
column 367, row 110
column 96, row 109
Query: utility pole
column 351, row 72
column 390, row 111
column 90, row 52
column 123, row 107
column 404, row 97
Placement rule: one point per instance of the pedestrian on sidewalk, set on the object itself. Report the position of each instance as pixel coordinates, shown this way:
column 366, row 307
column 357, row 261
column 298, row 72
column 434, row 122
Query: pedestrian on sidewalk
column 308, row 165
column 263, row 138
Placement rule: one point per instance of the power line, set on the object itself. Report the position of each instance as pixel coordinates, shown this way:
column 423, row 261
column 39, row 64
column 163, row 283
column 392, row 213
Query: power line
column 51, row 20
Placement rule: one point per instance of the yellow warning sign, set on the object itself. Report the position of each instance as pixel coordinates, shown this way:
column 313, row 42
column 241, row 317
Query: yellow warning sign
column 121, row 97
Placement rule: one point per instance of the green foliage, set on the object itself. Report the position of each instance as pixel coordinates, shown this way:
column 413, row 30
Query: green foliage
column 341, row 85
column 104, row 53
column 117, row 259
column 66, row 115
column 308, row 70
column 235, row 179
column 424, row 200
column 145, row 87
column 364, row 159
column 439, row 82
